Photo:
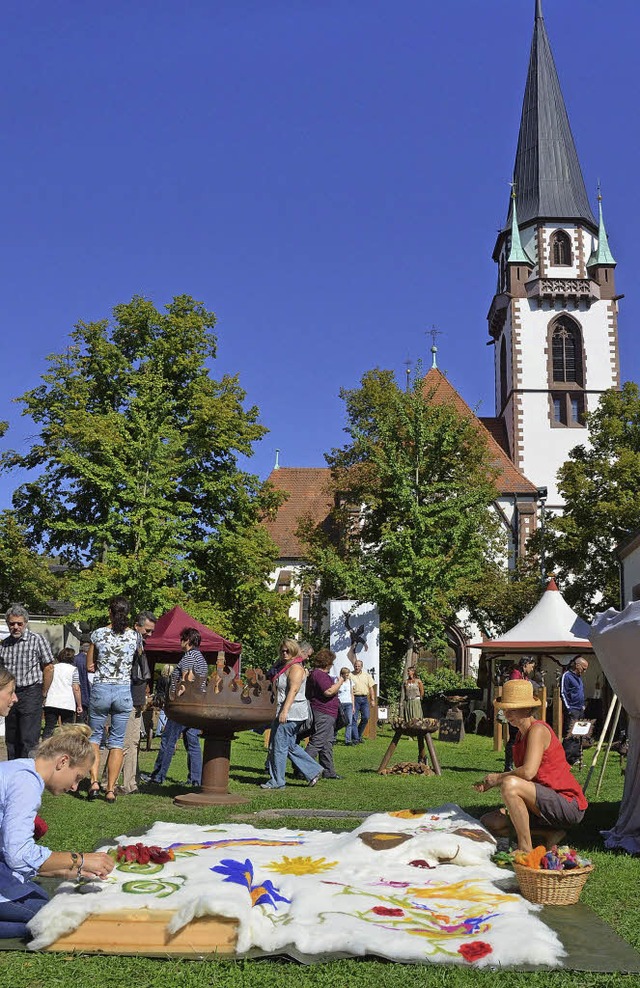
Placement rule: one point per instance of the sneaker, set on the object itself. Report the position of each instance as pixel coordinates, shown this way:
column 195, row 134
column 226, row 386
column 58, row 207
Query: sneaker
column 333, row 776
column 315, row 779
column 267, row 785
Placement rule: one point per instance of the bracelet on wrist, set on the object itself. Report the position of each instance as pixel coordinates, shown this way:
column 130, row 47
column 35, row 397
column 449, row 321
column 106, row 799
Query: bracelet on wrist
column 80, row 866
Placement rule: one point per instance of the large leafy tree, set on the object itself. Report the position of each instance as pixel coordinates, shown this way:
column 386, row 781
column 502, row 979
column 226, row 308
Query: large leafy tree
column 25, row 575
column 412, row 530
column 600, row 485
column 137, row 483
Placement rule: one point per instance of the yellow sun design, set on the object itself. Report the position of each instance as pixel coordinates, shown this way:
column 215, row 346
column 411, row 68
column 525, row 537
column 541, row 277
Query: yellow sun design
column 300, row 866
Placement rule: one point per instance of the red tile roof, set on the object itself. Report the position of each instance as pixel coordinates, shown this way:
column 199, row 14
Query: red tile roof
column 309, row 495
column 510, row 479
column 309, row 487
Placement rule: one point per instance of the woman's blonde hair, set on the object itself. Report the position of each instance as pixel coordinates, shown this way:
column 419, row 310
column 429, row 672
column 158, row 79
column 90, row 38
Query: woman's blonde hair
column 6, row 677
column 291, row 646
column 166, row 670
column 71, row 740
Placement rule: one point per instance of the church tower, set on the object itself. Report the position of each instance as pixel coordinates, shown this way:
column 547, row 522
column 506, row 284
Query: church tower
column 554, row 316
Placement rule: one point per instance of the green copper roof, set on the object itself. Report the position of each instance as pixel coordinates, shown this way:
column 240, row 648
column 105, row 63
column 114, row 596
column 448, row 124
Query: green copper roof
column 517, row 254
column 602, row 254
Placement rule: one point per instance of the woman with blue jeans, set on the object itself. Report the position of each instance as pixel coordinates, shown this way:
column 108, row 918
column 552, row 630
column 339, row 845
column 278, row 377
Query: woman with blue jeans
column 110, row 657
column 292, row 710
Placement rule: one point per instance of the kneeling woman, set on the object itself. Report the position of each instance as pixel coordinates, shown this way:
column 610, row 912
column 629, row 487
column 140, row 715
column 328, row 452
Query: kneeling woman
column 541, row 788
column 58, row 765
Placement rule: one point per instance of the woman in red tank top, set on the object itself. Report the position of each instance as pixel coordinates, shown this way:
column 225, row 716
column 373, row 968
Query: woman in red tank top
column 541, row 786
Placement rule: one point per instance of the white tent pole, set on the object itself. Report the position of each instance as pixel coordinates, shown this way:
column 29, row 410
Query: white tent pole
column 606, row 754
column 603, row 735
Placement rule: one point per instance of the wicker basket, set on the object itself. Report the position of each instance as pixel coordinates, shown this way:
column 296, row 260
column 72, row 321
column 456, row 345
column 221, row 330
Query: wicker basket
column 552, row 888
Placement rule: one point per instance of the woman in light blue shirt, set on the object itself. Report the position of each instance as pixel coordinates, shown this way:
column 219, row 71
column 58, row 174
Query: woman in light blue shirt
column 58, row 764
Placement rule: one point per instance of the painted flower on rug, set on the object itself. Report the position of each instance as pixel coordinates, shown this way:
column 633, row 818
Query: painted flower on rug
column 300, row 866
column 474, row 951
column 241, row 873
column 391, row 885
column 466, row 891
column 387, row 911
column 235, row 842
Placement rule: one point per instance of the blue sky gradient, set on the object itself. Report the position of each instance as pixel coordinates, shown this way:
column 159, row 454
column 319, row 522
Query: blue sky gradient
column 328, row 177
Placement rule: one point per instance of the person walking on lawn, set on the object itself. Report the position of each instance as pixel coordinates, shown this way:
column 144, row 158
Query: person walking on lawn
column 192, row 666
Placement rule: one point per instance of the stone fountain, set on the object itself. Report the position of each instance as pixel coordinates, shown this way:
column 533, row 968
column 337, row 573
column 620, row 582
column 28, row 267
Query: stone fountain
column 219, row 707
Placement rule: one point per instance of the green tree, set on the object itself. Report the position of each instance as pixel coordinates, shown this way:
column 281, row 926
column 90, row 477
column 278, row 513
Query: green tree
column 600, row 485
column 25, row 576
column 505, row 596
column 137, row 484
column 413, row 530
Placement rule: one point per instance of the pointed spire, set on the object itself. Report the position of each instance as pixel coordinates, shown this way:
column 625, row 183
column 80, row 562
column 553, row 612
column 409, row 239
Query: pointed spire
column 517, row 254
column 602, row 253
column 434, row 352
column 547, row 171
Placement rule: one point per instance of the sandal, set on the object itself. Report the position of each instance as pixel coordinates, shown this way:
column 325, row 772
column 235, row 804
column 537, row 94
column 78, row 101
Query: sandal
column 110, row 796
column 94, row 791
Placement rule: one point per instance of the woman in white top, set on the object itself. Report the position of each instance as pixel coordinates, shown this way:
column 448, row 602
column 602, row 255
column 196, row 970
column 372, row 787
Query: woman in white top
column 62, row 700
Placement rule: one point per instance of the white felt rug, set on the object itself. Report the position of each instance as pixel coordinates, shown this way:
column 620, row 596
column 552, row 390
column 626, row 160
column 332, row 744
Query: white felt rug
column 407, row 886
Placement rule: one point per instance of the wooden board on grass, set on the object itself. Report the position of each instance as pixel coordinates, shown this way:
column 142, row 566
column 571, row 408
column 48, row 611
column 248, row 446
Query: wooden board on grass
column 145, row 932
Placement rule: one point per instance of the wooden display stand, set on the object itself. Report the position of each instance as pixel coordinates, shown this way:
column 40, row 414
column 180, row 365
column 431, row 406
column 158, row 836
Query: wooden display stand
column 144, row 932
column 424, row 738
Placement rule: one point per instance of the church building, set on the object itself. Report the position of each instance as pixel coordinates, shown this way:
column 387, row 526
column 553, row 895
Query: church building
column 553, row 321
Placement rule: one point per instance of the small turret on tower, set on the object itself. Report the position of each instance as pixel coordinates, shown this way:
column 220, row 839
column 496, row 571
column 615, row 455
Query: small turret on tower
column 601, row 264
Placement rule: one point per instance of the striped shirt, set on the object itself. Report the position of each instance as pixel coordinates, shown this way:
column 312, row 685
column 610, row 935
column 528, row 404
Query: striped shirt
column 26, row 657
column 194, row 662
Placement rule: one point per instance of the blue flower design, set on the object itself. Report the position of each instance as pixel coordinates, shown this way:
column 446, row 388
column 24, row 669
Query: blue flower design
column 241, row 873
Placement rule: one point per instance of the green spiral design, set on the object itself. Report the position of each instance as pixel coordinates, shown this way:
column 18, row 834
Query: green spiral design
column 161, row 889
column 133, row 868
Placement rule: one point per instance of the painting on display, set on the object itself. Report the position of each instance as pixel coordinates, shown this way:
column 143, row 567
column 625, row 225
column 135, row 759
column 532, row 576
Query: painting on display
column 355, row 634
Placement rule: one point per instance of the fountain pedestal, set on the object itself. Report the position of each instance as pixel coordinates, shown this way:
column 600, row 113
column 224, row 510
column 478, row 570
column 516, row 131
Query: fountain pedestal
column 220, row 708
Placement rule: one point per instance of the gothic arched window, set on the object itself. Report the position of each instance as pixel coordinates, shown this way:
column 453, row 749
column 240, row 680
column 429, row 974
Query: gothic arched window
column 560, row 248
column 504, row 390
column 566, row 373
column 566, row 348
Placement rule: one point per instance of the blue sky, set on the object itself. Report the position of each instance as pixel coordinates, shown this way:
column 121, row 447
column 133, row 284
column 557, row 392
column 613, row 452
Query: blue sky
column 327, row 175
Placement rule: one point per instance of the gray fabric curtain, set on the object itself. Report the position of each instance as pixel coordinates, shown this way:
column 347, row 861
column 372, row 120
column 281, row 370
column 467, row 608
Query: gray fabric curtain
column 615, row 637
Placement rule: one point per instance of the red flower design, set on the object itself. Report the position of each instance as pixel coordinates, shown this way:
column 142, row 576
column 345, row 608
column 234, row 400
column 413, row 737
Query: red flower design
column 387, row 911
column 420, row 863
column 474, row 951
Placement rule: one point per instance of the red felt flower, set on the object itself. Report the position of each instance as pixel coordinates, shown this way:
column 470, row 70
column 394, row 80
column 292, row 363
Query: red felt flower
column 474, row 951
column 387, row 911
column 420, row 863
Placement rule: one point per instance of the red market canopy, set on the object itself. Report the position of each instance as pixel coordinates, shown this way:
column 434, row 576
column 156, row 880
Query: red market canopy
column 552, row 627
column 165, row 640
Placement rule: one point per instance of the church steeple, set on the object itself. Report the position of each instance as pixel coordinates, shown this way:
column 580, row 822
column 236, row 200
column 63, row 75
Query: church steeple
column 554, row 315
column 547, row 172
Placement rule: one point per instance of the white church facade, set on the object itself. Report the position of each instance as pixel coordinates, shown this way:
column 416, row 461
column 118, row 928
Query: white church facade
column 553, row 321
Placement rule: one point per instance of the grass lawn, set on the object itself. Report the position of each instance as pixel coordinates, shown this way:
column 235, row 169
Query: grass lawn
column 612, row 891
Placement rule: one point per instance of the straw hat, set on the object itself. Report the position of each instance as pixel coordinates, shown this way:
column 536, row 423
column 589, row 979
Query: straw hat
column 517, row 693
